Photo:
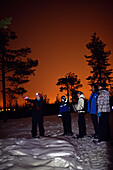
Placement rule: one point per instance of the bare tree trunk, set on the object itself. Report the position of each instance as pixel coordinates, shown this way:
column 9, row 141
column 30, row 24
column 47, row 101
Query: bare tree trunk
column 67, row 92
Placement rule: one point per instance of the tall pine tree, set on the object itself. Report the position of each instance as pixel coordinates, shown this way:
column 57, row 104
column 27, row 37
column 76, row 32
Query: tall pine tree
column 15, row 65
column 98, row 61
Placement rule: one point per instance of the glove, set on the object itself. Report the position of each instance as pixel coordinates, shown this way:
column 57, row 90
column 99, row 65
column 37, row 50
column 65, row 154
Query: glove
column 25, row 97
column 98, row 114
column 59, row 115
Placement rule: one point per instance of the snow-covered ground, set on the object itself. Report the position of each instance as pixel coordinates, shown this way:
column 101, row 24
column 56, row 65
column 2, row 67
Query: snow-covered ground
column 18, row 151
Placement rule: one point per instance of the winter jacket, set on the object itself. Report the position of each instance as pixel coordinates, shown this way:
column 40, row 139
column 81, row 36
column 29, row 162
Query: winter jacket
column 37, row 105
column 92, row 108
column 63, row 108
column 80, row 105
column 103, row 101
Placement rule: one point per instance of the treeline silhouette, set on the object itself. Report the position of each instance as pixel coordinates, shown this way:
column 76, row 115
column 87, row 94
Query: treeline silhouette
column 26, row 111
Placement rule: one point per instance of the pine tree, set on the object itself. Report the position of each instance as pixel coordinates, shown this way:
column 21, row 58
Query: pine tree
column 15, row 65
column 70, row 83
column 5, row 22
column 98, row 61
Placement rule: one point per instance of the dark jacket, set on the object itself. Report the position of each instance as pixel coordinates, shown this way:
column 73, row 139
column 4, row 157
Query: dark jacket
column 64, row 108
column 37, row 105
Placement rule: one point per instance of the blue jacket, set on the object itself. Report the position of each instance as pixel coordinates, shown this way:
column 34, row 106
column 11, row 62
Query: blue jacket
column 63, row 108
column 92, row 108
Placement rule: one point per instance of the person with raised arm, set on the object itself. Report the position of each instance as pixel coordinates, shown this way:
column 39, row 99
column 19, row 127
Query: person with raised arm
column 37, row 114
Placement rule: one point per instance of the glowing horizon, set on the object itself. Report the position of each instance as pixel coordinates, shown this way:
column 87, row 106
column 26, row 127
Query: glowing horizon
column 57, row 33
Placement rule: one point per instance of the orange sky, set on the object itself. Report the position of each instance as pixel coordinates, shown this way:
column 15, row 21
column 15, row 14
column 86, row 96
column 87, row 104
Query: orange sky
column 57, row 32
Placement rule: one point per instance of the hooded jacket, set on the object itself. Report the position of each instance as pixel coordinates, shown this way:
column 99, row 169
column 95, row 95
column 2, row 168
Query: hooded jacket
column 80, row 105
column 92, row 108
column 103, row 100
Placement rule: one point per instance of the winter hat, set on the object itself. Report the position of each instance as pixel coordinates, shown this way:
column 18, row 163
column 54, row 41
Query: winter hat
column 63, row 98
column 38, row 94
column 103, row 84
column 95, row 86
column 79, row 92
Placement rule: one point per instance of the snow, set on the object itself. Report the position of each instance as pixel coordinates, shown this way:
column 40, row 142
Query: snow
column 18, row 151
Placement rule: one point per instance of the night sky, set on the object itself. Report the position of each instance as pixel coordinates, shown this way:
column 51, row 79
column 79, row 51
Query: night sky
column 57, row 32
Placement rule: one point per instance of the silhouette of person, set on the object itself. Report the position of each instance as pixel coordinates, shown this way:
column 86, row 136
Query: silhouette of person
column 79, row 107
column 37, row 114
column 92, row 108
column 64, row 113
column 103, row 103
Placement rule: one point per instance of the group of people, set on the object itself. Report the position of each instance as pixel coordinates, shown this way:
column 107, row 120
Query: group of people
column 98, row 107
column 64, row 113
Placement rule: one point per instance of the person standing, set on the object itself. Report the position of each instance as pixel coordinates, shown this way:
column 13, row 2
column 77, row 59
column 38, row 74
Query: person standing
column 37, row 114
column 103, row 102
column 79, row 107
column 64, row 113
column 92, row 109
